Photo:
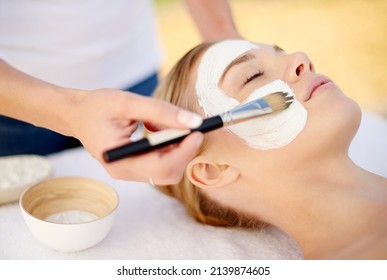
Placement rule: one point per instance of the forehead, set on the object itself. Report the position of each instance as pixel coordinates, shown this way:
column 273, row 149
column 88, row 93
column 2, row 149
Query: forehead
column 216, row 58
column 219, row 56
column 225, row 51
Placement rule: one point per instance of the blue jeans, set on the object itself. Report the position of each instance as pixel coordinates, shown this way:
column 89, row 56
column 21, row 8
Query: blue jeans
column 17, row 137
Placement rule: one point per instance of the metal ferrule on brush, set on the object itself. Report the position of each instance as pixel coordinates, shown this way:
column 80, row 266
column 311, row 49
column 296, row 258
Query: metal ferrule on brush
column 246, row 111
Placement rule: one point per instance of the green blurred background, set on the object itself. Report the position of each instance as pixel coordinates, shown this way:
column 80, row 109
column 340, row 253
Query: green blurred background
column 345, row 39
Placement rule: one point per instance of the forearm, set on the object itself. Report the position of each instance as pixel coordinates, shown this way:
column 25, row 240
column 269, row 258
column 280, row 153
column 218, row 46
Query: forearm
column 213, row 19
column 31, row 100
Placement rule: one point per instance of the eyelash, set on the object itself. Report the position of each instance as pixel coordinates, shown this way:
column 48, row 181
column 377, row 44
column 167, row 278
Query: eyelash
column 252, row 77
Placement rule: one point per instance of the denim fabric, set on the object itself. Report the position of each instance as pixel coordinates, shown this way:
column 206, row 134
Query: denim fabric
column 17, row 137
column 145, row 87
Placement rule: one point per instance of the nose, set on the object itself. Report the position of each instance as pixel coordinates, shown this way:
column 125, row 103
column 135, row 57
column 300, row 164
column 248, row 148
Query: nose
column 299, row 64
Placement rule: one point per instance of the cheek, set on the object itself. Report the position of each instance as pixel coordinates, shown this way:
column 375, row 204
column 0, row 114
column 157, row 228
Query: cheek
column 274, row 130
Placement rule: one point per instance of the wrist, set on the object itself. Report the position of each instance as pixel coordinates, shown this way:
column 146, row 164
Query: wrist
column 69, row 111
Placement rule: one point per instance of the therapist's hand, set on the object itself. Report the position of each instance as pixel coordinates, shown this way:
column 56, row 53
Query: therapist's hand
column 106, row 118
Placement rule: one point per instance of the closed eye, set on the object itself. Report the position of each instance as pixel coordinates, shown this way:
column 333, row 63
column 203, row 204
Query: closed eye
column 252, row 77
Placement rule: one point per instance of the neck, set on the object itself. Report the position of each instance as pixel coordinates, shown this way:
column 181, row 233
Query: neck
column 328, row 206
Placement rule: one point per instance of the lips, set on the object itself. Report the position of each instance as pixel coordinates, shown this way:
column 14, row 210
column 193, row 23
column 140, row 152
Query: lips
column 314, row 85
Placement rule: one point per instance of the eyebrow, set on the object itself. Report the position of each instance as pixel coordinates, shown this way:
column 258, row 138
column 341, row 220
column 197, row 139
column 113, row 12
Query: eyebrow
column 244, row 58
column 238, row 60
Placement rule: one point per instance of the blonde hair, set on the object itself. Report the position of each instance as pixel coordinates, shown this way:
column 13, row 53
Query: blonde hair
column 176, row 88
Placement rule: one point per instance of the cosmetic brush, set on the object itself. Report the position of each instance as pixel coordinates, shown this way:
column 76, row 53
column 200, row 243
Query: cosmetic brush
column 272, row 103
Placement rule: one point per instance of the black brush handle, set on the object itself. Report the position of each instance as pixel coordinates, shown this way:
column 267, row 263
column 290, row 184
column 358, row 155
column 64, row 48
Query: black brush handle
column 144, row 145
column 209, row 124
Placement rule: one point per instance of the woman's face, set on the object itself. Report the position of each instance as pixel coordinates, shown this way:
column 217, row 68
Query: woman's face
column 332, row 118
column 257, row 176
column 249, row 179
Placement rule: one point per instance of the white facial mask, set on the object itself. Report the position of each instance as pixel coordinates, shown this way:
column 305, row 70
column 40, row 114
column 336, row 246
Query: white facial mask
column 267, row 132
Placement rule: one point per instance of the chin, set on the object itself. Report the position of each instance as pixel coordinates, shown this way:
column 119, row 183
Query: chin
column 351, row 118
column 333, row 121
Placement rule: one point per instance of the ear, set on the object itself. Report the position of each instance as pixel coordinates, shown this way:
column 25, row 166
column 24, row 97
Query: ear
column 206, row 174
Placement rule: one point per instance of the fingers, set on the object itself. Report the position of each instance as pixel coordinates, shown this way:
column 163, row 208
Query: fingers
column 163, row 167
column 159, row 112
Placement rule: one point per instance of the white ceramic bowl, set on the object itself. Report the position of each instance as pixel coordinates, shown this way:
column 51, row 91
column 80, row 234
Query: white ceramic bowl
column 69, row 214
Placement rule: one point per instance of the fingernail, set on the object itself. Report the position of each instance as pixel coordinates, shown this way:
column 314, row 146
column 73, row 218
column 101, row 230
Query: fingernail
column 189, row 119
